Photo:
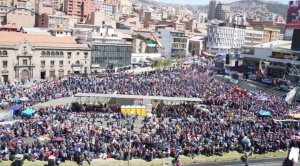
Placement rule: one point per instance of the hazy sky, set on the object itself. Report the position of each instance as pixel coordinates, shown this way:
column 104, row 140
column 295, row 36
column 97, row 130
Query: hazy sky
column 205, row 2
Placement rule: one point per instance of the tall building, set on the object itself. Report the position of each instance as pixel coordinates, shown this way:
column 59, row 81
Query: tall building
column 212, row 10
column 222, row 12
column 80, row 8
column 223, row 38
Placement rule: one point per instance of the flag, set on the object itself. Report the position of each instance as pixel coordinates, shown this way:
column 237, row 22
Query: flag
column 153, row 40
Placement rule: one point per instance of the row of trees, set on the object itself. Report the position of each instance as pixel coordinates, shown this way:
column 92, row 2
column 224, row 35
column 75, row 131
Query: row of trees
column 161, row 62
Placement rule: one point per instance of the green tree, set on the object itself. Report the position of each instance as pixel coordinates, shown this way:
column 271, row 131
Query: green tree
column 179, row 63
column 157, row 63
column 167, row 62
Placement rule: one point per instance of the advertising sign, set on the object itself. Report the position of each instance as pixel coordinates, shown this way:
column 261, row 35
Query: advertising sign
column 293, row 14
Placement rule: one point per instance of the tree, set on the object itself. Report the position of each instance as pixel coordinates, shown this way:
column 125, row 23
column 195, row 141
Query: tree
column 167, row 62
column 157, row 63
column 179, row 63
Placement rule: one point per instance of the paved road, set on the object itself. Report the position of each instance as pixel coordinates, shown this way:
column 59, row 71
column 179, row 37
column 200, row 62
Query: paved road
column 259, row 162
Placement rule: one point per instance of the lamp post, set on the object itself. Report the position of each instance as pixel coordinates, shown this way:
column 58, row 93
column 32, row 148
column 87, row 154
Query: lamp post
column 130, row 117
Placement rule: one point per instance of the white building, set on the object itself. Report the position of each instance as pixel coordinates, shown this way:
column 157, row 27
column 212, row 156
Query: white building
column 32, row 56
column 200, row 17
column 108, row 8
column 224, row 38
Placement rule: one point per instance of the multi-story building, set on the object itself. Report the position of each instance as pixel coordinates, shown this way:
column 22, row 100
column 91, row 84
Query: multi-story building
column 108, row 50
column 222, row 38
column 28, row 56
column 222, row 12
column 212, row 10
column 200, row 17
column 5, row 3
column 108, row 8
column 253, row 37
column 179, row 44
column 21, row 18
column 3, row 11
column 80, row 8
column 271, row 34
column 149, row 16
column 196, row 45
column 54, row 21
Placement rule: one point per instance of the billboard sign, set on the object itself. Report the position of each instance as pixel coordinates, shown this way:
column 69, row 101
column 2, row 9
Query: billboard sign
column 293, row 14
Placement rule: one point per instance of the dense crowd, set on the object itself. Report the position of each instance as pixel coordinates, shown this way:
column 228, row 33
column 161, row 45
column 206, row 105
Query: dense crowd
column 227, row 120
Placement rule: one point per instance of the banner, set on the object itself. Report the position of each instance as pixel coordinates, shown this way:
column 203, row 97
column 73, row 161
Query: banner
column 292, row 19
column 289, row 96
column 267, row 80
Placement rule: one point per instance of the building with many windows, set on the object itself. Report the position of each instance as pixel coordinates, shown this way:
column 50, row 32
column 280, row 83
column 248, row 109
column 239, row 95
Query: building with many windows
column 253, row 37
column 222, row 12
column 32, row 56
column 222, row 38
column 108, row 50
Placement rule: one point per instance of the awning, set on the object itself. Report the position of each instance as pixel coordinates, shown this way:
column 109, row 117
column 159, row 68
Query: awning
column 14, row 108
column 28, row 112
column 264, row 113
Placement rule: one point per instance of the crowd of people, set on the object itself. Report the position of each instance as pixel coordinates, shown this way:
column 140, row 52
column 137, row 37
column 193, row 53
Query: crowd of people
column 227, row 120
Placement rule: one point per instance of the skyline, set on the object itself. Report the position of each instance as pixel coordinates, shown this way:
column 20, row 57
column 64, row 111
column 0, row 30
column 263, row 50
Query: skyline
column 206, row 2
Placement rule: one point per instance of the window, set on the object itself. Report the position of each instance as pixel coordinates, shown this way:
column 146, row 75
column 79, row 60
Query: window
column 52, row 73
column 43, row 63
column 4, row 53
column 24, row 62
column 48, row 53
column 61, row 53
column 43, row 53
column 61, row 63
column 52, row 53
column 51, row 63
column 0, row 53
column 4, row 63
column 77, row 63
column 57, row 53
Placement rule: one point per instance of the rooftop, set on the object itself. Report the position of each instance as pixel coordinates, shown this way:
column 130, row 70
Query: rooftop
column 14, row 38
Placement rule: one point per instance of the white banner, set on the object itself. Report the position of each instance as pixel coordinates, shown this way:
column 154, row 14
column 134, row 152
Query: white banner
column 289, row 96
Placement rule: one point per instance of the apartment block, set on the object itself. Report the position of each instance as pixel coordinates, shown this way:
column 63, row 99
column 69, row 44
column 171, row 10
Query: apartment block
column 80, row 8
column 108, row 8
column 222, row 38
column 253, row 37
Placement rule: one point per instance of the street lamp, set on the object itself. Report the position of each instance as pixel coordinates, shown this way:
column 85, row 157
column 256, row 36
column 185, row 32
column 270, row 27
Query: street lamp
column 129, row 122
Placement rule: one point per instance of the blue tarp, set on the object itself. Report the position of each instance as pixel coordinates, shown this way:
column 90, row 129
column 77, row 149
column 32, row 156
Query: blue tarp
column 264, row 113
column 14, row 108
column 28, row 112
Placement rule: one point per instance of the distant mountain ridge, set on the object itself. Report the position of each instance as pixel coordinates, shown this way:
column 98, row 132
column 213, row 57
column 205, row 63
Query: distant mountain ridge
column 270, row 5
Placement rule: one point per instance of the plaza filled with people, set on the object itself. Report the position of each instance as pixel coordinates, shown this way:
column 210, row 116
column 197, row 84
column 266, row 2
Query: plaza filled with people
column 228, row 119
